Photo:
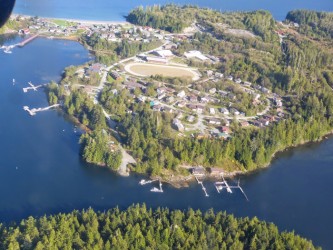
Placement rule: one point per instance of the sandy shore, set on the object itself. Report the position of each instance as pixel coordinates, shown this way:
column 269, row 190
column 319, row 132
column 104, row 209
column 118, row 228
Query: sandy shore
column 89, row 22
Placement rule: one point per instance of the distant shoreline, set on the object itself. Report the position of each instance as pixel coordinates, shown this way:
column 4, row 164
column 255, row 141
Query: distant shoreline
column 76, row 20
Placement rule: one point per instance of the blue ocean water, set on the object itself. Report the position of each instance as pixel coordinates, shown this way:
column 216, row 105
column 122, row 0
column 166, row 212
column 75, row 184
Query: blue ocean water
column 111, row 10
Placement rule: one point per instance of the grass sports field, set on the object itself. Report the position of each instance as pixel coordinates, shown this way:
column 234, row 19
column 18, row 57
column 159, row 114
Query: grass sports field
column 147, row 69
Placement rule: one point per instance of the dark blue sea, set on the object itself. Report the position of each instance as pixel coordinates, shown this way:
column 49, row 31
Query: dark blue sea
column 111, row 10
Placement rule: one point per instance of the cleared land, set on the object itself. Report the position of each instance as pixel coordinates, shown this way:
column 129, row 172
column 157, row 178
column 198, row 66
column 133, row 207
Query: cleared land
column 147, row 69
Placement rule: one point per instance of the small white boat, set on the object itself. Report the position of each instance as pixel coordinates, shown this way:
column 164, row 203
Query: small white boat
column 142, row 182
column 155, row 189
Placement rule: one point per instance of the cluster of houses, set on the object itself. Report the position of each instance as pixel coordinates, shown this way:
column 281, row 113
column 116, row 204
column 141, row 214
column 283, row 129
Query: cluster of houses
column 45, row 26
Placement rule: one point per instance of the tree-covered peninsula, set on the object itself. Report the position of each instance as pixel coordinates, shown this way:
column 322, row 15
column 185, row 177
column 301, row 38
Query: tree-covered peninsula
column 139, row 227
column 262, row 86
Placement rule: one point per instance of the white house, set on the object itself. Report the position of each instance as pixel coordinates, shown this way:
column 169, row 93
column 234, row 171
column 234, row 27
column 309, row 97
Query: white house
column 224, row 111
column 181, row 94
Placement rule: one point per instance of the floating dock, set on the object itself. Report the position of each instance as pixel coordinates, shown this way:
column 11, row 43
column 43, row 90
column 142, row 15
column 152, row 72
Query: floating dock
column 202, row 185
column 220, row 185
column 25, row 90
column 33, row 111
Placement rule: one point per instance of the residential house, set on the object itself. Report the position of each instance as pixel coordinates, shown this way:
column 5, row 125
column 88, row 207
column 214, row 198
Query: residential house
column 170, row 99
column 212, row 111
column 238, row 80
column 234, row 111
column 225, row 129
column 178, row 125
column 115, row 75
column 244, row 124
column 198, row 171
column 190, row 118
column 214, row 121
column 157, row 108
column 224, row 111
column 247, row 84
column 265, row 122
column 204, row 99
column 160, row 90
column 193, row 98
column 210, row 73
column 216, row 171
column 212, row 91
column 257, row 124
column 219, row 75
column 181, row 104
column 223, row 93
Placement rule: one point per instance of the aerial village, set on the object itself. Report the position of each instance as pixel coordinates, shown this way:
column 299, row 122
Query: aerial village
column 204, row 107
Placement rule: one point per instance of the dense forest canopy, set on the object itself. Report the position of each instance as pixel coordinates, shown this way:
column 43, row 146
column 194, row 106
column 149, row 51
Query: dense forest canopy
column 312, row 23
column 174, row 18
column 141, row 228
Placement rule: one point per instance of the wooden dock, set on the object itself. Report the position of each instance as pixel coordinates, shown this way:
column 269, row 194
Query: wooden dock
column 25, row 90
column 28, row 40
column 220, row 185
column 33, row 111
column 203, row 187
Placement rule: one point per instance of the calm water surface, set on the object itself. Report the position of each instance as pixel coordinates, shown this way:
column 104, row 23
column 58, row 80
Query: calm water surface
column 41, row 172
column 115, row 10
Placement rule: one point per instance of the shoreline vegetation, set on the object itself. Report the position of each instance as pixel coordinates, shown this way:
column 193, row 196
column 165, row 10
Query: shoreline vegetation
column 295, row 50
column 139, row 227
column 250, row 149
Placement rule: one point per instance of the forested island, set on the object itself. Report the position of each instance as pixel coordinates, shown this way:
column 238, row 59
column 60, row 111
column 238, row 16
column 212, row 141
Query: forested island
column 139, row 227
column 263, row 86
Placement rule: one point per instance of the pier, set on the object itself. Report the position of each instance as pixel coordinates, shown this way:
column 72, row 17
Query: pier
column 220, row 185
column 29, row 39
column 33, row 111
column 25, row 90
column 8, row 48
column 203, row 187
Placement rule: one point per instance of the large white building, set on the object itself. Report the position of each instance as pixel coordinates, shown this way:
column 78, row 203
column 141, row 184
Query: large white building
column 195, row 54
column 164, row 53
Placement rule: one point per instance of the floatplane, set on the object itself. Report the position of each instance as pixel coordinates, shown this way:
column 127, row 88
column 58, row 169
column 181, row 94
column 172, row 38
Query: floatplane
column 220, row 185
